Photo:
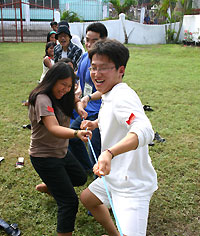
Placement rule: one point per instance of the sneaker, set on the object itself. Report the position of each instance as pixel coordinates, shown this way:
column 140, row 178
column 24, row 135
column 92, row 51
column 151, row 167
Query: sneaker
column 159, row 138
column 151, row 144
column 147, row 108
column 27, row 126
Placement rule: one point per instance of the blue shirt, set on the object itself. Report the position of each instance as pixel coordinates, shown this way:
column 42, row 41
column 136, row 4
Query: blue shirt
column 87, row 85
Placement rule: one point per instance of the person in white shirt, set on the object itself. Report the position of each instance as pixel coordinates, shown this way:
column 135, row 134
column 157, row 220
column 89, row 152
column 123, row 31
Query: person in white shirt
column 125, row 134
column 48, row 60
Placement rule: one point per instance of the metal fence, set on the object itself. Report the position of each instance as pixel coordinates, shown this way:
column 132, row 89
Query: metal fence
column 24, row 22
column 87, row 10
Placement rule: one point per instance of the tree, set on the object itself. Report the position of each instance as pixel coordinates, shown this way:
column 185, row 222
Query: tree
column 148, row 3
column 123, row 8
column 169, row 4
column 70, row 16
column 186, row 7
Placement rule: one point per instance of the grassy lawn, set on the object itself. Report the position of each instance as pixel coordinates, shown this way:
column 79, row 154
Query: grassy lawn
column 166, row 77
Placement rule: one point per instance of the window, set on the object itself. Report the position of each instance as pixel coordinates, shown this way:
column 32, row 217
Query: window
column 45, row 3
column 41, row 3
column 10, row 2
column 55, row 4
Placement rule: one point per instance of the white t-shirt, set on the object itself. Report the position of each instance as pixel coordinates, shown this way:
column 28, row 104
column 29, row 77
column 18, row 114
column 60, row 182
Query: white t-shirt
column 132, row 173
column 76, row 40
column 45, row 68
column 64, row 54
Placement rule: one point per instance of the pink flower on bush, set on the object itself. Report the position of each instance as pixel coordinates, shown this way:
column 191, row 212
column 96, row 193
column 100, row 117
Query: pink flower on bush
column 188, row 36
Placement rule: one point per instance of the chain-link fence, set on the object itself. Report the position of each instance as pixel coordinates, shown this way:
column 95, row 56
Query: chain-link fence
column 24, row 22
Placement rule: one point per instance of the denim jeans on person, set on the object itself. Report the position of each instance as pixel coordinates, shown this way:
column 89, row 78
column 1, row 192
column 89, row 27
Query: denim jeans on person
column 77, row 146
column 61, row 175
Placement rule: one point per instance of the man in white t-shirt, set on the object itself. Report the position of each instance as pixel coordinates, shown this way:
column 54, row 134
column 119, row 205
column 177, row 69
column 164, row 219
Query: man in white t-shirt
column 125, row 134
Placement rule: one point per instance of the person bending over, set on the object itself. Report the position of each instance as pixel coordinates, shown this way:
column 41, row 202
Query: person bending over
column 51, row 105
column 91, row 97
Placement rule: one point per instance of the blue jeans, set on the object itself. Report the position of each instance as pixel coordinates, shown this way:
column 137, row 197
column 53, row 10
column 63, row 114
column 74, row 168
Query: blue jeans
column 77, row 146
column 61, row 175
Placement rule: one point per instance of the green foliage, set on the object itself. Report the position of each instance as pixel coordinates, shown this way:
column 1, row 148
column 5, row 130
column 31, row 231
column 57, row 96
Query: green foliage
column 123, row 8
column 149, row 3
column 165, row 77
column 71, row 16
column 186, row 8
column 164, row 7
column 170, row 35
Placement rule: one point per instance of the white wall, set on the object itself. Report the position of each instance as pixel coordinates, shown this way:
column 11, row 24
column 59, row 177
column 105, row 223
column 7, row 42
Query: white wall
column 191, row 23
column 137, row 33
column 140, row 33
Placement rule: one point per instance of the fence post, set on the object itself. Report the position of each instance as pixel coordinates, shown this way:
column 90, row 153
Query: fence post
column 15, row 21
column 21, row 20
column 57, row 16
column 27, row 16
column 122, row 19
column 2, row 24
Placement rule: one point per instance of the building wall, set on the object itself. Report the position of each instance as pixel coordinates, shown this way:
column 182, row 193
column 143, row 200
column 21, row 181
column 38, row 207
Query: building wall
column 196, row 4
column 137, row 33
column 191, row 23
column 88, row 10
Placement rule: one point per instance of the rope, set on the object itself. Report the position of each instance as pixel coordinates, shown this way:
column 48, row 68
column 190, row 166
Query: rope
column 108, row 194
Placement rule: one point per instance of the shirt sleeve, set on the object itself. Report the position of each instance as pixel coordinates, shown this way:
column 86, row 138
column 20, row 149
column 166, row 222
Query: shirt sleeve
column 43, row 107
column 76, row 40
column 75, row 54
column 130, row 114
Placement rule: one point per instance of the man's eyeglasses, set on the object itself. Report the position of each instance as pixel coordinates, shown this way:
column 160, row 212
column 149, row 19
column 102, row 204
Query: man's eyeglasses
column 100, row 70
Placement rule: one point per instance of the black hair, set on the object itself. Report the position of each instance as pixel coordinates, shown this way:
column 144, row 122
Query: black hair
column 53, row 23
column 49, row 35
column 57, row 72
column 48, row 45
column 98, row 28
column 66, row 60
column 63, row 22
column 113, row 49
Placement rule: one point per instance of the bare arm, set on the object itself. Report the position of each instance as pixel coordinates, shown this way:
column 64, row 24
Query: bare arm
column 90, row 125
column 53, row 127
column 47, row 62
column 128, row 143
column 94, row 96
column 80, row 110
column 78, row 91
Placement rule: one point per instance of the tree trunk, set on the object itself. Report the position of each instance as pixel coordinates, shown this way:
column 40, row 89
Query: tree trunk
column 185, row 7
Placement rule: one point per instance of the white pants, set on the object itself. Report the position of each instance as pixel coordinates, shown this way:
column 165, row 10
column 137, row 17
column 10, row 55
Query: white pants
column 132, row 212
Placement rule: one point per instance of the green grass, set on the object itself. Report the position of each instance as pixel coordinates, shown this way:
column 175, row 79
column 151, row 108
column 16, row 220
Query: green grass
column 167, row 77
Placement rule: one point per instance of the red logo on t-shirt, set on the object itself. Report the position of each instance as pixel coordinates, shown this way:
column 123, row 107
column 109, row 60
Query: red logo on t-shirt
column 50, row 109
column 130, row 119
